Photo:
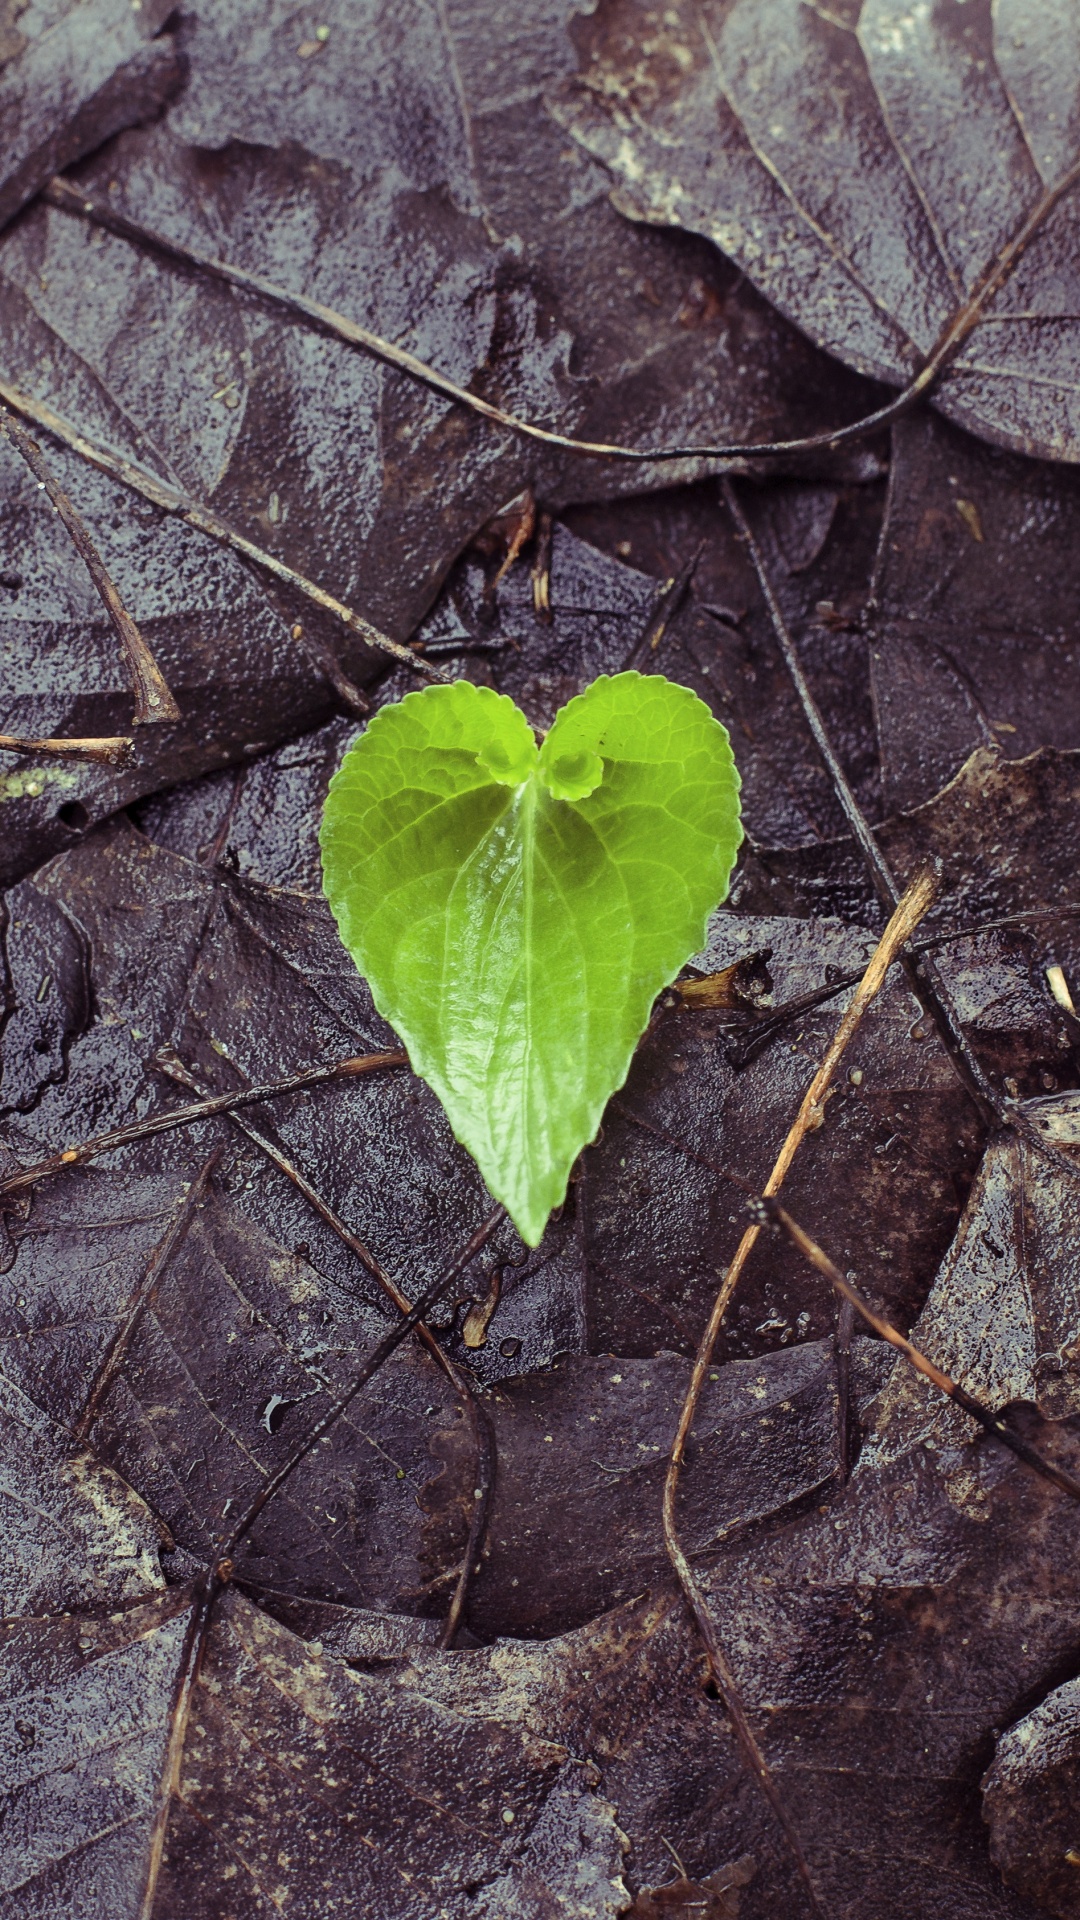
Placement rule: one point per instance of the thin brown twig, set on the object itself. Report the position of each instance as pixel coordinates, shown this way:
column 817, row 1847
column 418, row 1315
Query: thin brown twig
column 770, row 1209
column 70, row 199
column 183, row 506
column 153, row 701
column 201, row 1110
column 884, row 884
column 914, row 905
column 191, row 1658
column 924, row 974
column 110, row 750
column 210, row 856
column 220, row 1572
column 173, row 1239
column 483, row 1434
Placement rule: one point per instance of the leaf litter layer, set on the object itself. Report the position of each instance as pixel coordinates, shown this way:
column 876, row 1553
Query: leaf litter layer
column 362, row 176
column 181, row 1312
column 899, row 181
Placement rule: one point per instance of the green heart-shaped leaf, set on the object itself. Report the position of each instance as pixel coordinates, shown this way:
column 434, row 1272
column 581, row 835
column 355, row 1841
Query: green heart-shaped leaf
column 517, row 909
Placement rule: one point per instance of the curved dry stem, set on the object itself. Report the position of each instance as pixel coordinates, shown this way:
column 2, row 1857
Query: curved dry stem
column 482, row 1431
column 911, row 909
column 69, row 199
column 153, row 701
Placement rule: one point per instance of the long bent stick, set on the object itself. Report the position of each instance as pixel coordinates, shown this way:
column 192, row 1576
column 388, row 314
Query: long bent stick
column 62, row 194
column 915, row 903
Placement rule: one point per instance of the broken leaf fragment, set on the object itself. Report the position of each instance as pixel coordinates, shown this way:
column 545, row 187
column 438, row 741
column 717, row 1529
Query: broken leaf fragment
column 517, row 909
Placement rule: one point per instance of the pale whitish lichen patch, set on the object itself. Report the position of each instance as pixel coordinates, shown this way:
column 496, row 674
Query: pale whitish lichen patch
column 121, row 1530
column 28, row 782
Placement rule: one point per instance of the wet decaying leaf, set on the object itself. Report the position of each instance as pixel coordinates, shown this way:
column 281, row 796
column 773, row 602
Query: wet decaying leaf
column 1031, row 1795
column 368, row 175
column 583, row 1448
column 237, row 1349
column 871, row 169
column 1004, row 1312
column 904, row 1636
column 973, row 632
column 271, row 949
column 258, row 1316
column 349, row 1800
column 884, row 1177
column 877, row 1642
column 1005, row 832
column 72, row 76
column 74, row 1535
column 204, row 1716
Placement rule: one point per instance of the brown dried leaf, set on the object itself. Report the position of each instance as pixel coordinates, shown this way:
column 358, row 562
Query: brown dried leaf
column 302, row 1782
column 714, row 1898
column 1006, row 833
column 1031, row 1802
column 869, row 168
column 582, row 1453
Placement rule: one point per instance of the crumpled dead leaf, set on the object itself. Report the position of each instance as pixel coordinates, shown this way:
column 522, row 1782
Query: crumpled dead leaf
column 582, row 1452
column 301, row 1782
column 874, row 171
column 1031, row 1802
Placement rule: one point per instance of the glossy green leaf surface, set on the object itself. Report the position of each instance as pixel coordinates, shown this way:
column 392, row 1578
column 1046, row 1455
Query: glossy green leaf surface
column 516, row 909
